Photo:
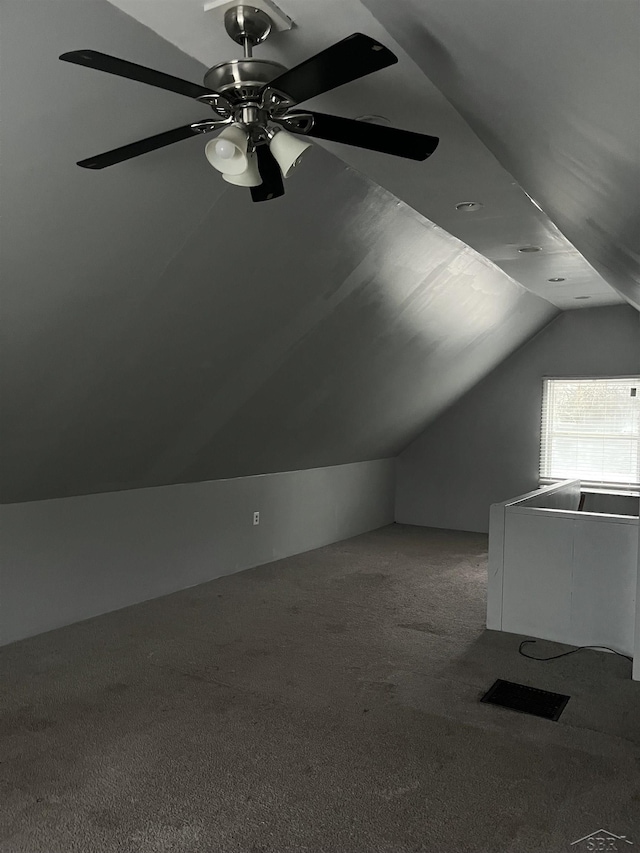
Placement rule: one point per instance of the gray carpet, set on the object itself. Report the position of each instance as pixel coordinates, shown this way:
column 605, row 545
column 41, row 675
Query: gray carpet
column 327, row 702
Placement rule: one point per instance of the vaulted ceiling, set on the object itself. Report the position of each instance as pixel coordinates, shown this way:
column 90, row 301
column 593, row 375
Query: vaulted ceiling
column 529, row 99
column 552, row 89
column 161, row 328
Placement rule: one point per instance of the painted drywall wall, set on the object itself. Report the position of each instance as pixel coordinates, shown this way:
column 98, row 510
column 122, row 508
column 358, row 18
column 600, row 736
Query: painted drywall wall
column 554, row 584
column 545, row 576
column 565, row 495
column 68, row 559
column 485, row 448
column 636, row 649
column 611, row 503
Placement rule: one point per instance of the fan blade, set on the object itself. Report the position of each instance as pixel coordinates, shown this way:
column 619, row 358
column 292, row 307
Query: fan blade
column 122, row 68
column 375, row 137
column 271, row 186
column 134, row 149
column 347, row 60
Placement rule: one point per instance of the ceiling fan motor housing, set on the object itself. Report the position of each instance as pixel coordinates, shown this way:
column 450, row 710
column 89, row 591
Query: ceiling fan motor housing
column 242, row 79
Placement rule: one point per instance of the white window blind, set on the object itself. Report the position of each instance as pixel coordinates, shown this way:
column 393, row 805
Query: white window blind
column 591, row 432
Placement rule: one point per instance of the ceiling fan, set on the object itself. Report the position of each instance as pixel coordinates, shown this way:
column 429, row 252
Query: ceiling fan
column 262, row 136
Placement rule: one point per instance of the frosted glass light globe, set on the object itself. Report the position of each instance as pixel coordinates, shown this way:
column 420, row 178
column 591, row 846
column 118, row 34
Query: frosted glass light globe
column 225, row 149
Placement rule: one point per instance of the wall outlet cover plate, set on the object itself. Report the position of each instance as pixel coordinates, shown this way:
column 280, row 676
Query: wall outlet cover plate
column 279, row 20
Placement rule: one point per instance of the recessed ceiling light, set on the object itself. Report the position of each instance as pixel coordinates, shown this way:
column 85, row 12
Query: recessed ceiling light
column 582, row 297
column 468, row 206
column 559, row 278
column 372, row 119
column 527, row 249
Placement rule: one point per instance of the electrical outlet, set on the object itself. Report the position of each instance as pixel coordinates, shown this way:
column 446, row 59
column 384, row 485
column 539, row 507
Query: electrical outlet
column 256, row 518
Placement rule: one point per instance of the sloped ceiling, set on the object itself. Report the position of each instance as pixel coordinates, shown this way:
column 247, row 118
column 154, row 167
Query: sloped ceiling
column 553, row 90
column 160, row 328
column 462, row 168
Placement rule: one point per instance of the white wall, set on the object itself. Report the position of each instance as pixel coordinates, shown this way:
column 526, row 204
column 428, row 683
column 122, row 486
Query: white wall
column 570, row 577
column 485, row 448
column 565, row 495
column 67, row 559
column 561, row 574
column 636, row 652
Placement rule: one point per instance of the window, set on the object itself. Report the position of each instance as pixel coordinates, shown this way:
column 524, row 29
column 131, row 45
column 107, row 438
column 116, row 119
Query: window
column 591, row 432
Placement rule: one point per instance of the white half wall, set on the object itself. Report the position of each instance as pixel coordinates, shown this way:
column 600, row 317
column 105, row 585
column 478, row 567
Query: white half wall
column 564, row 575
column 636, row 652
column 68, row 559
column 565, row 495
column 570, row 577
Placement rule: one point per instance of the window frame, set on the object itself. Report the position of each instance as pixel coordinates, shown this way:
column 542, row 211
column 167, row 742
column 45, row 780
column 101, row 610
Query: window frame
column 602, row 488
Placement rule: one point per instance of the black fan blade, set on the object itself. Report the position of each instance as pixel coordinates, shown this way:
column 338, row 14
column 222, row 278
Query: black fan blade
column 122, row 68
column 271, row 186
column 347, row 60
column 134, row 149
column 375, row 137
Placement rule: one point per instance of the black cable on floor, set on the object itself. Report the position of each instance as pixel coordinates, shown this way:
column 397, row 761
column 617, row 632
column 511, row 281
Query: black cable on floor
column 572, row 652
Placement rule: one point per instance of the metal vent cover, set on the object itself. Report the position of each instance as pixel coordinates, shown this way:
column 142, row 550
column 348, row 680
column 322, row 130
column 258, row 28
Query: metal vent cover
column 527, row 700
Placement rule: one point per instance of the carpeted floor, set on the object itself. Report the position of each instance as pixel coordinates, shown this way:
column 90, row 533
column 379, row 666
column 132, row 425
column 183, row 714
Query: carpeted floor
column 327, row 702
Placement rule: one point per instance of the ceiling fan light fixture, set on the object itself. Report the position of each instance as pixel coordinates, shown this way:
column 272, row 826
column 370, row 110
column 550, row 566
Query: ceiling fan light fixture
column 288, row 150
column 249, row 178
column 249, row 96
column 228, row 151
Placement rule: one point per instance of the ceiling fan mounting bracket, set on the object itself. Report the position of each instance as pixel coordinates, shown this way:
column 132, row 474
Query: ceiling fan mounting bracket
column 280, row 22
column 247, row 25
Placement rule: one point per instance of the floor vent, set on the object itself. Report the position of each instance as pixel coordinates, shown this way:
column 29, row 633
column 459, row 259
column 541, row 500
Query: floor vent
column 528, row 700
